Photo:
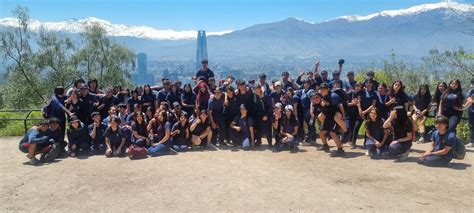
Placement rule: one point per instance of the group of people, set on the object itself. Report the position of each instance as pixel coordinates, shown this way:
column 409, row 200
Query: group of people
column 228, row 112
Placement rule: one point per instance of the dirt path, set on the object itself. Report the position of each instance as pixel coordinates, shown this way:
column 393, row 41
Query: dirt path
column 226, row 180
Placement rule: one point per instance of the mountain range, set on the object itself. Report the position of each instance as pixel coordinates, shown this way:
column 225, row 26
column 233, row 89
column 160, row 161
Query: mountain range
column 410, row 32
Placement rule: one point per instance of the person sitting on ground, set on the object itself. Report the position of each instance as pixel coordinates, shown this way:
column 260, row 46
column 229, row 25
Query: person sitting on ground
column 401, row 128
column 440, row 152
column 243, row 127
column 36, row 141
column 77, row 136
column 114, row 138
column 159, row 128
column 140, row 136
column 375, row 135
column 96, row 133
column 201, row 129
column 289, row 129
column 180, row 133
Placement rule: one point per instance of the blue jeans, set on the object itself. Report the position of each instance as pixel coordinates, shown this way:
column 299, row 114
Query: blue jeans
column 139, row 142
column 160, row 149
column 471, row 127
column 400, row 148
column 435, row 160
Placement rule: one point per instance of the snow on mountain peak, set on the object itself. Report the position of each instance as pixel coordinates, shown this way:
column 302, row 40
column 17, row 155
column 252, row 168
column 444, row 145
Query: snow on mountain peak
column 78, row 25
column 412, row 11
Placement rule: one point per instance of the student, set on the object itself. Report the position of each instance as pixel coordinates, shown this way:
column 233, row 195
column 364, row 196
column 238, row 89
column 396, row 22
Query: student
column 289, row 129
column 204, row 72
column 440, row 89
column 160, row 128
column 180, row 133
column 375, row 135
column 56, row 108
column 57, row 134
column 263, row 113
column 243, row 129
column 276, row 93
column 188, row 99
column 231, row 109
column 201, row 130
column 203, row 96
column 381, row 98
column 132, row 101
column 36, row 141
column 470, row 113
column 163, row 93
column 277, row 118
column 148, row 99
column 421, row 108
column 451, row 104
column 112, row 113
column 123, row 115
column 397, row 96
column 149, row 114
column 174, row 114
column 366, row 103
column 96, row 133
column 216, row 117
column 87, row 105
column 94, row 88
column 76, row 86
column 106, row 102
column 353, row 119
column 305, row 103
column 77, row 136
column 245, row 96
column 114, row 138
column 401, row 128
column 371, row 77
column 440, row 152
column 262, row 80
column 140, row 135
column 333, row 108
column 311, row 116
column 173, row 95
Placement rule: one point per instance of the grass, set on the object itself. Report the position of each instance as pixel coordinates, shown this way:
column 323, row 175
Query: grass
column 16, row 128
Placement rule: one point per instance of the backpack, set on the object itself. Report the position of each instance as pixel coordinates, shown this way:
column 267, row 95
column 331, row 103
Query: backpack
column 136, row 152
column 459, row 150
column 46, row 112
column 51, row 154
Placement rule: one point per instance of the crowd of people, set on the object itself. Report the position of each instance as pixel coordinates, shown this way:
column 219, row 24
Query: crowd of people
column 283, row 113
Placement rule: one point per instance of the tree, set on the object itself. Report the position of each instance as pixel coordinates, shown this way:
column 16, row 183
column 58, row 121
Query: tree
column 22, row 75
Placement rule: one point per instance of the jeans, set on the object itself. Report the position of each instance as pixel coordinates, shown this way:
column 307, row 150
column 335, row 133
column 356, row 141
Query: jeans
column 160, row 149
column 400, row 148
column 454, row 118
column 373, row 149
column 435, row 160
column 140, row 142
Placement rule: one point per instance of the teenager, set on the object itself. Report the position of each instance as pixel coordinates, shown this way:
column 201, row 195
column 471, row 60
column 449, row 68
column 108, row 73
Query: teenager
column 397, row 96
column 440, row 153
column 57, row 134
column 440, row 89
column 77, row 136
column 451, row 104
column 174, row 95
column 96, row 133
column 231, row 109
column 188, row 99
column 140, row 136
column 106, row 102
column 86, row 105
column 277, row 118
column 470, row 113
column 353, row 119
column 135, row 99
column 375, row 135
column 148, row 99
column 401, row 127
column 160, row 129
column 201, row 133
column 243, row 129
column 181, row 134
column 114, row 138
column 381, row 98
column 263, row 113
column 216, row 117
column 36, row 141
column 203, row 96
column 94, row 88
column 289, row 129
column 421, row 108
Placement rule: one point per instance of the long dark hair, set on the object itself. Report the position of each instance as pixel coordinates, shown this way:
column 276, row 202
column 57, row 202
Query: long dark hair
column 378, row 122
column 149, row 90
column 402, row 118
column 457, row 91
column 290, row 120
column 401, row 91
column 190, row 89
column 438, row 94
column 426, row 98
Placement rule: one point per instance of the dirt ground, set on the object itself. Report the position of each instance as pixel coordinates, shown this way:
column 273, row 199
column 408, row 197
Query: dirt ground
column 234, row 181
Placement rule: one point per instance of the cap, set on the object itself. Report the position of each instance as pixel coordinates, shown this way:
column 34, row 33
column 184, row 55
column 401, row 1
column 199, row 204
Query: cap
column 324, row 85
column 84, row 87
column 242, row 106
column 279, row 105
column 73, row 119
column 54, row 120
column 289, row 107
column 183, row 113
column 341, row 61
column 278, row 83
column 175, row 104
column 263, row 75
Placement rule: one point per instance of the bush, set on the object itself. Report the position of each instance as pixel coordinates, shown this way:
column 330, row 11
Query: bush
column 16, row 128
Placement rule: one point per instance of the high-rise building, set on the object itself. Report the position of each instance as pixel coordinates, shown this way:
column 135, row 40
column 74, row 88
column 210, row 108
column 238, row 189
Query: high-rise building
column 201, row 48
column 141, row 76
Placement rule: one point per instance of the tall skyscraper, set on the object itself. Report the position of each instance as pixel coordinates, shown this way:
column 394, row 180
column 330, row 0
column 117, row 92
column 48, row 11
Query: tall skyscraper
column 201, row 48
column 142, row 76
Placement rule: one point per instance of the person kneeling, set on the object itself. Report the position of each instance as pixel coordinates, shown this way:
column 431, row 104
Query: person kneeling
column 242, row 127
column 440, row 152
column 114, row 138
column 289, row 129
column 201, row 129
column 78, row 137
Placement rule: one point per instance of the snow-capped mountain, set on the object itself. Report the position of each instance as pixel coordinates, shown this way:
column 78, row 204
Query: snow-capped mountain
column 77, row 26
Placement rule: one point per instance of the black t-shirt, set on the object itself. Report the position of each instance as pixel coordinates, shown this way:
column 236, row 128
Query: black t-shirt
column 140, row 129
column 99, row 132
column 201, row 127
column 401, row 131
column 115, row 137
column 182, row 132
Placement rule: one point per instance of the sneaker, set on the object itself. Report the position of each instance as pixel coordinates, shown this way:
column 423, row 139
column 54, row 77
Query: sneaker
column 324, row 147
column 367, row 153
column 338, row 153
column 404, row 156
column 33, row 161
column 352, row 145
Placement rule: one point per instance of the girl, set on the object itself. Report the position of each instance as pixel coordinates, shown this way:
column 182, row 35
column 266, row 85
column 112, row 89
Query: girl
column 397, row 96
column 451, row 104
column 188, row 99
column 140, row 135
column 375, row 134
column 159, row 128
column 94, row 87
column 421, row 107
column 78, row 136
column 132, row 101
column 401, row 128
column 201, row 129
column 173, row 95
column 203, row 96
column 180, row 133
column 440, row 89
column 114, row 138
column 381, row 98
column 289, row 129
column 73, row 104
column 148, row 98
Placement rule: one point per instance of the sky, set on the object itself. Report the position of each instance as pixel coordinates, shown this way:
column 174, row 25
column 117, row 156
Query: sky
column 210, row 15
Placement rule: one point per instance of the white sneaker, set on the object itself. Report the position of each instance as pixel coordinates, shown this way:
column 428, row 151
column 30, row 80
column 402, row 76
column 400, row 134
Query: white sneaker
column 367, row 153
column 404, row 156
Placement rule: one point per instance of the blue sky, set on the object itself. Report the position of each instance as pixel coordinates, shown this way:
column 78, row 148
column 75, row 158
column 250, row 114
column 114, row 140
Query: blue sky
column 211, row 15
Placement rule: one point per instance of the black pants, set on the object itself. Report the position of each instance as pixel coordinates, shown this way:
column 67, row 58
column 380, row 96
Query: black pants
column 263, row 129
column 353, row 125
